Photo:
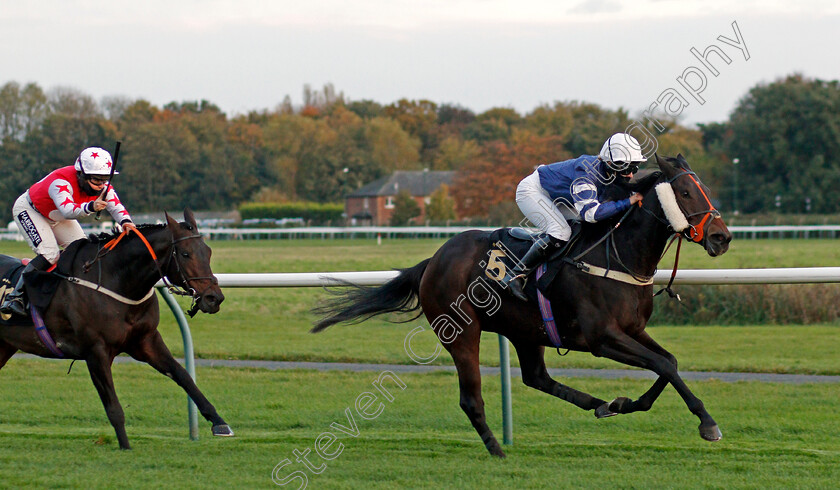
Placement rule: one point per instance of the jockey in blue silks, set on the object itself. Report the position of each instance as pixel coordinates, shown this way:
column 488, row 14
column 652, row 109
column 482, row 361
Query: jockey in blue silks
column 575, row 186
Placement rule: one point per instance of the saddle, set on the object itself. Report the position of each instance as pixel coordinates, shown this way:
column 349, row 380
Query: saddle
column 40, row 285
column 10, row 271
column 523, row 234
column 507, row 245
column 515, row 242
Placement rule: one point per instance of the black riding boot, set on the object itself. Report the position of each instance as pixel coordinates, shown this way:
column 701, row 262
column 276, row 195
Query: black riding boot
column 533, row 257
column 14, row 302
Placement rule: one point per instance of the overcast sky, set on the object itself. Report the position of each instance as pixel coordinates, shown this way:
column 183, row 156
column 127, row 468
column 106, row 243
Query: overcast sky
column 248, row 54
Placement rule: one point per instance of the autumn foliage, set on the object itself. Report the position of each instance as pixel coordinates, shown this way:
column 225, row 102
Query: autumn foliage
column 192, row 154
column 492, row 177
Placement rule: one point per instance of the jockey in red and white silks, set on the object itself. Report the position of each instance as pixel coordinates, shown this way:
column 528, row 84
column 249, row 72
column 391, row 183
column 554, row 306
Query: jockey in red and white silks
column 46, row 213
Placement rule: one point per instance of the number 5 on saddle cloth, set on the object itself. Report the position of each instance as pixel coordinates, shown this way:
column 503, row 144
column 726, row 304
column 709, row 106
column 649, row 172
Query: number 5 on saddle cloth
column 509, row 244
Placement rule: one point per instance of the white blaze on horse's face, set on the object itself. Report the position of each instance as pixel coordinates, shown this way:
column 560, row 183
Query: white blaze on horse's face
column 668, row 201
column 693, row 214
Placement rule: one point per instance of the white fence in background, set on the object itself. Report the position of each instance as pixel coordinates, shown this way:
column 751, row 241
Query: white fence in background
column 751, row 232
column 332, row 232
column 685, row 276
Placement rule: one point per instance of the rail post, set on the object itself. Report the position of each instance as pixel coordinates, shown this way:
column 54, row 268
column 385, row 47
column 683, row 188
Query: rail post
column 507, row 405
column 189, row 357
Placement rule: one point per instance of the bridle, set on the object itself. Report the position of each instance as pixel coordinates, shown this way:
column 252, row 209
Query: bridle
column 690, row 233
column 697, row 233
column 186, row 289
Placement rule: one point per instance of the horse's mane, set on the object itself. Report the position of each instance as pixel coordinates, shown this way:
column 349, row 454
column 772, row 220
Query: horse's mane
column 108, row 236
column 642, row 182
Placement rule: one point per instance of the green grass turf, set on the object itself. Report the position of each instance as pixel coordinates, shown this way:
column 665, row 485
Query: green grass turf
column 54, row 431
column 55, row 434
column 308, row 255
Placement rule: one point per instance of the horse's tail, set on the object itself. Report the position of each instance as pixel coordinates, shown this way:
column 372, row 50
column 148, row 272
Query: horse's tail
column 358, row 303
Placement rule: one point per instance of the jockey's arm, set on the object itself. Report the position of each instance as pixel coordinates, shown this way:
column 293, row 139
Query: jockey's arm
column 585, row 195
column 116, row 209
column 62, row 195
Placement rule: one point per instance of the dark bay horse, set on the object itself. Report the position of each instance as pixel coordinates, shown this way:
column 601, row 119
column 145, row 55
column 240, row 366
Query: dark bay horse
column 594, row 314
column 94, row 326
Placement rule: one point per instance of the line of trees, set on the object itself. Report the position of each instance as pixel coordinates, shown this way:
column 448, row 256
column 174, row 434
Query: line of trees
column 785, row 134
column 786, row 137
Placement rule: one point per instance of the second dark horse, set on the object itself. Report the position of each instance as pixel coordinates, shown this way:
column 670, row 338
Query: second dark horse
column 92, row 326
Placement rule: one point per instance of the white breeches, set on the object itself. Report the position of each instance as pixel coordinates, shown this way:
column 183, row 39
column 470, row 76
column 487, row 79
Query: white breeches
column 538, row 207
column 45, row 236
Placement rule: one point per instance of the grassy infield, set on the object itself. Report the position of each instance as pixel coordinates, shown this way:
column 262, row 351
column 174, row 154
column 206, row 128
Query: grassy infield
column 54, row 432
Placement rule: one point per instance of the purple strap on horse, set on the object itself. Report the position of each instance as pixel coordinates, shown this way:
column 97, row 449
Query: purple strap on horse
column 43, row 334
column 547, row 314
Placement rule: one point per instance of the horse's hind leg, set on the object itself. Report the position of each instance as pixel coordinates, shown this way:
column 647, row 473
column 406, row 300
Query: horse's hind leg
column 153, row 351
column 535, row 375
column 99, row 367
column 465, row 352
column 469, row 382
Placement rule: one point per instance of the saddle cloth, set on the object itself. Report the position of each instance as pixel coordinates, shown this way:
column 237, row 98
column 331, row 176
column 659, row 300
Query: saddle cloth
column 508, row 245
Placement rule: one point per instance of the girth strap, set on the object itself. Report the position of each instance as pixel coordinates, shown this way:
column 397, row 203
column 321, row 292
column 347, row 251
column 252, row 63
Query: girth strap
column 107, row 292
column 43, row 333
column 610, row 274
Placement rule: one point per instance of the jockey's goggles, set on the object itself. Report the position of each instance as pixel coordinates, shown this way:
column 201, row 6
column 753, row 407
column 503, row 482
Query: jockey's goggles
column 630, row 168
column 97, row 180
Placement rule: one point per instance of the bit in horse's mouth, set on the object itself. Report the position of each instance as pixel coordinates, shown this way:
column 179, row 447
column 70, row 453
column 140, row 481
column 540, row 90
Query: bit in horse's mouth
column 715, row 251
column 210, row 303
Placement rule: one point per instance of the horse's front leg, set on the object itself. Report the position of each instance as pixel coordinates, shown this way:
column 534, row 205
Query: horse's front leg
column 622, row 348
column 153, row 351
column 6, row 352
column 99, row 366
column 645, row 402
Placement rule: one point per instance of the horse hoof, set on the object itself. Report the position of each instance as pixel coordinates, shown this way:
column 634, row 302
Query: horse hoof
column 498, row 453
column 621, row 405
column 710, row 434
column 222, row 431
column 604, row 411
column 495, row 449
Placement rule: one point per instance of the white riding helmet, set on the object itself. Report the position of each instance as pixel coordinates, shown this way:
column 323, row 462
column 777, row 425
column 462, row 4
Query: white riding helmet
column 621, row 147
column 94, row 161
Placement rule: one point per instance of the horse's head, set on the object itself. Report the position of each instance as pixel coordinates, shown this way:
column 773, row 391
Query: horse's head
column 190, row 264
column 703, row 223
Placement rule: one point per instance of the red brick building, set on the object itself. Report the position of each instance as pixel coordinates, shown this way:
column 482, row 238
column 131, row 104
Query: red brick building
column 373, row 204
